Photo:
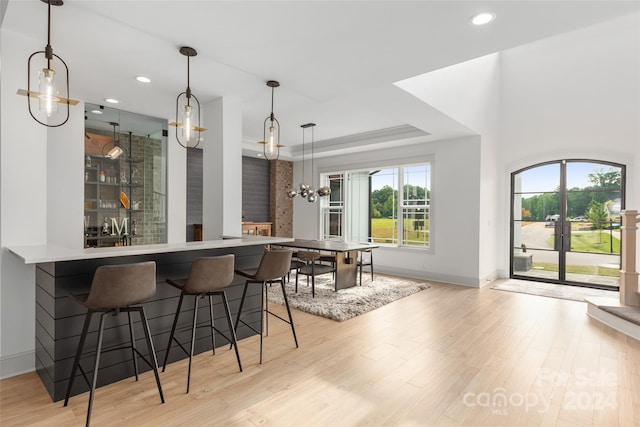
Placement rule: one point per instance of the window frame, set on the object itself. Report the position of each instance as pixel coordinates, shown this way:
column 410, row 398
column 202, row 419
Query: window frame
column 400, row 210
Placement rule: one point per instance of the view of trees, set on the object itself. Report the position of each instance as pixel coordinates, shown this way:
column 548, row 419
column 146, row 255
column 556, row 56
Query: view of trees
column 606, row 187
column 384, row 201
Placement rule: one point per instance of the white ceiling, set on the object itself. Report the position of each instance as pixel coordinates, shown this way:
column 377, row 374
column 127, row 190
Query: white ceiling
column 336, row 61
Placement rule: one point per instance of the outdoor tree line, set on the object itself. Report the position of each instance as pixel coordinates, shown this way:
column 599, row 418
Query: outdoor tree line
column 384, row 201
column 590, row 202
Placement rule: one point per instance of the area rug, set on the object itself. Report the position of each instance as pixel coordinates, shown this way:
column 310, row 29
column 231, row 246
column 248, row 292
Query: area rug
column 573, row 293
column 346, row 303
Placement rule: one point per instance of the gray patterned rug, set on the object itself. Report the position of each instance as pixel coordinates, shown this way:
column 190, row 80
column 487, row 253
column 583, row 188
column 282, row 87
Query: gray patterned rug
column 346, row 303
column 573, row 293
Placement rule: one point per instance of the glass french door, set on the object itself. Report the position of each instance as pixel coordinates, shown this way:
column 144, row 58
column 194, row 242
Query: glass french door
column 565, row 222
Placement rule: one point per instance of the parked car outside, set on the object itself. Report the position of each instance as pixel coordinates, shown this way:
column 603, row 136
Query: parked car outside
column 578, row 219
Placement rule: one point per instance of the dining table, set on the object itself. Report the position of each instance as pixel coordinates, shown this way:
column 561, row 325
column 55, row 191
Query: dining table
column 345, row 253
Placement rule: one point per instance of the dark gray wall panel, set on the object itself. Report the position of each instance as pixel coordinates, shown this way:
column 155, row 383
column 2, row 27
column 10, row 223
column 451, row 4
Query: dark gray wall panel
column 194, row 190
column 256, row 189
column 59, row 319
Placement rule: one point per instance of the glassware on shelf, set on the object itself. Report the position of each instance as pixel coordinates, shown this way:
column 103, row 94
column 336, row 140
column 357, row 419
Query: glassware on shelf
column 105, row 227
column 101, row 175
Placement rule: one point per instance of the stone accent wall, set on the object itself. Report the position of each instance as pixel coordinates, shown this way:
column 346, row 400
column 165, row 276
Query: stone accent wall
column 281, row 179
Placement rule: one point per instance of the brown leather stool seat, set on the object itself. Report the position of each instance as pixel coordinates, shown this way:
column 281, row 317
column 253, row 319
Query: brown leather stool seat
column 274, row 266
column 116, row 289
column 208, row 276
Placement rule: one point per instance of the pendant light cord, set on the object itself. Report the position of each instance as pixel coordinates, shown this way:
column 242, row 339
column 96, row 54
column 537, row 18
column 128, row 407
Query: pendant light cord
column 303, row 132
column 188, row 80
column 312, row 139
column 49, row 50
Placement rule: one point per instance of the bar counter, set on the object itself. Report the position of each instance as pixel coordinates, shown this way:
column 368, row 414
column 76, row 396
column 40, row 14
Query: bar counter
column 61, row 271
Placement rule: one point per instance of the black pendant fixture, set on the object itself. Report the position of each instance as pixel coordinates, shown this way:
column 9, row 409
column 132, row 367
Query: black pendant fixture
column 271, row 133
column 48, row 90
column 190, row 120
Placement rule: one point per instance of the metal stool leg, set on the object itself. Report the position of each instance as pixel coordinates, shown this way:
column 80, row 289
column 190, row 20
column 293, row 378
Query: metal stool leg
column 152, row 351
column 262, row 314
column 193, row 340
column 213, row 338
column 76, row 361
column 95, row 368
column 286, row 303
column 244, row 294
column 133, row 346
column 266, row 309
column 234, row 339
column 173, row 331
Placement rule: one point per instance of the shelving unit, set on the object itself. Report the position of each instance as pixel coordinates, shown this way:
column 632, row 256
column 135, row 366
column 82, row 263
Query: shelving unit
column 105, row 180
column 139, row 174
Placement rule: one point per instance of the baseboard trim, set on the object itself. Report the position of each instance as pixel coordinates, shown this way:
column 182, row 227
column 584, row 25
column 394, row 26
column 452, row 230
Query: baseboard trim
column 472, row 282
column 17, row 364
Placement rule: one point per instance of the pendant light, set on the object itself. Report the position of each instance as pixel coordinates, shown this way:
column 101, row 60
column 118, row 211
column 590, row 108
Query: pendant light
column 307, row 190
column 48, row 91
column 117, row 149
column 190, row 130
column 271, row 135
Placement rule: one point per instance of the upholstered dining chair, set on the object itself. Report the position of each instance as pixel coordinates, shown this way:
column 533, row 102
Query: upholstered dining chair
column 312, row 267
column 365, row 259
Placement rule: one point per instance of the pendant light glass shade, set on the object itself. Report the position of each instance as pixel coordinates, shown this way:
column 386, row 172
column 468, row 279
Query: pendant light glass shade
column 188, row 121
column 48, row 95
column 271, row 134
column 117, row 149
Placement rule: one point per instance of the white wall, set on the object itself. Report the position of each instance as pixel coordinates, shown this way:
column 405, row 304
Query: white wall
column 575, row 96
column 23, row 147
column 456, row 167
column 469, row 93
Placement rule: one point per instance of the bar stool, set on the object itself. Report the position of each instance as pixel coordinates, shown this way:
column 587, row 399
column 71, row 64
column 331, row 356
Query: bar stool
column 116, row 289
column 274, row 265
column 207, row 277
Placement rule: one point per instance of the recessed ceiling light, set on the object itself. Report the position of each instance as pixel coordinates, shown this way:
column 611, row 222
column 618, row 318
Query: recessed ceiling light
column 482, row 18
column 143, row 79
column 96, row 111
column 259, row 154
column 111, row 100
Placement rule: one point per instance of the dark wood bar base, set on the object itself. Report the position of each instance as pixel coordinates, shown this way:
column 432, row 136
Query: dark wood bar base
column 59, row 319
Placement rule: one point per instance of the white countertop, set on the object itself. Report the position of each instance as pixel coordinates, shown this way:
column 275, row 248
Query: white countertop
column 48, row 253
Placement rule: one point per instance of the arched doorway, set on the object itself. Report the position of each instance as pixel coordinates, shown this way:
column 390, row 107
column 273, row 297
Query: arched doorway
column 565, row 222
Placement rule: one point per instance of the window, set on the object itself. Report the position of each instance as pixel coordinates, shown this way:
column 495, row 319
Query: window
column 389, row 206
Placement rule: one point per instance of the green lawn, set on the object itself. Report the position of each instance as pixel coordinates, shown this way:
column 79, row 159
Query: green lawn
column 579, row 269
column 385, row 230
column 595, row 241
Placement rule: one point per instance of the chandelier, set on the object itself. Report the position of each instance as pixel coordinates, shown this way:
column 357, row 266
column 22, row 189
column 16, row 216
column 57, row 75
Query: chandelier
column 48, row 94
column 308, row 191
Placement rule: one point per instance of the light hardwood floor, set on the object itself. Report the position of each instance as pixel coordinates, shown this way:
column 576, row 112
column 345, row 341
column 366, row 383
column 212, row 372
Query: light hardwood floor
column 449, row 355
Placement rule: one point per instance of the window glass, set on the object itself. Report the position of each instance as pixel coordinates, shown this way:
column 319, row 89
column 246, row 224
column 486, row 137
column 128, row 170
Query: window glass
column 373, row 205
